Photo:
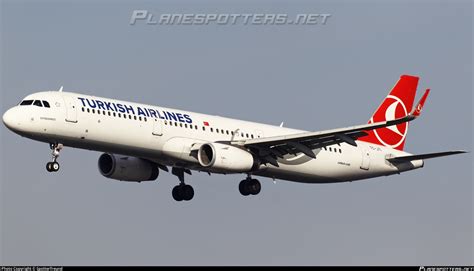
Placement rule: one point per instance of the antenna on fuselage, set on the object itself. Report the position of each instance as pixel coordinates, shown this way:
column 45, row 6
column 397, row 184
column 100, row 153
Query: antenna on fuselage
column 281, row 124
column 61, row 89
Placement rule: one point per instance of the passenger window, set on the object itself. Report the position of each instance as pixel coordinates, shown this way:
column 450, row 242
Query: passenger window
column 330, row 149
column 88, row 110
column 46, row 104
column 251, row 136
column 195, row 126
column 114, row 114
column 37, row 103
column 83, row 109
column 203, row 128
column 212, row 130
column 119, row 115
column 130, row 117
column 144, row 119
column 185, row 125
column 109, row 113
column 93, row 111
column 27, row 102
column 227, row 131
column 340, row 151
column 247, row 135
column 103, row 113
column 135, row 117
column 140, row 118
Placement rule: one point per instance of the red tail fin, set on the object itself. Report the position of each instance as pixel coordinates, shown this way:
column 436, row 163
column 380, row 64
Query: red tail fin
column 397, row 104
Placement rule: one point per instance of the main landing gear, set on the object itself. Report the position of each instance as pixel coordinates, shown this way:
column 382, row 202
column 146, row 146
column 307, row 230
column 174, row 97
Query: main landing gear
column 185, row 192
column 55, row 149
column 249, row 186
column 182, row 191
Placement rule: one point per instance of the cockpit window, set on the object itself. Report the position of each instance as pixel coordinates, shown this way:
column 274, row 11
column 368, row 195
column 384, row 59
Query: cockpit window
column 46, row 104
column 27, row 102
column 37, row 103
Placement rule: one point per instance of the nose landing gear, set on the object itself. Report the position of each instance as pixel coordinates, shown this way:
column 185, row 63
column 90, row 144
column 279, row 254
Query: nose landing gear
column 54, row 165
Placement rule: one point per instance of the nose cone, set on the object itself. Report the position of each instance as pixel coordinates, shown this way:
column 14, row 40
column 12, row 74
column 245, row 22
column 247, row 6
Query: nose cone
column 9, row 119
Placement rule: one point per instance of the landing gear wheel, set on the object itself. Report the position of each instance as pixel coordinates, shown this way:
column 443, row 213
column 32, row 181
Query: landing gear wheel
column 254, row 186
column 49, row 166
column 249, row 187
column 177, row 193
column 55, row 166
column 243, row 188
column 183, row 192
column 188, row 192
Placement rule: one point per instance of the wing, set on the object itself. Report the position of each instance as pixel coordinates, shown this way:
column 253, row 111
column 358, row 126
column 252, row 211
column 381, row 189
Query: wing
column 268, row 149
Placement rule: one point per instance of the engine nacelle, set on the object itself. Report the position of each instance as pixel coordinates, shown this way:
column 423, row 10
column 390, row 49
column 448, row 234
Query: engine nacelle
column 226, row 158
column 126, row 168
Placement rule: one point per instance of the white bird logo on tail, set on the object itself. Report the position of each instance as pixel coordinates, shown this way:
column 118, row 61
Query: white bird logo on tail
column 390, row 115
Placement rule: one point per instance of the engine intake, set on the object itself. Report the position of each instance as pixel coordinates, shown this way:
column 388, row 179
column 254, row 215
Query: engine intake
column 127, row 168
column 226, row 158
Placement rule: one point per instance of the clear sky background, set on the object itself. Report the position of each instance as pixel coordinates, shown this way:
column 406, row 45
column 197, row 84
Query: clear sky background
column 311, row 77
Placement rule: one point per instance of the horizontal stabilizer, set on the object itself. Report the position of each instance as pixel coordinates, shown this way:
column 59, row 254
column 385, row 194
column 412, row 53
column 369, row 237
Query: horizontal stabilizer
column 422, row 156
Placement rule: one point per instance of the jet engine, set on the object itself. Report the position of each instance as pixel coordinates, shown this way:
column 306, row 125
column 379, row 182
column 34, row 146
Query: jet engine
column 126, row 168
column 226, row 158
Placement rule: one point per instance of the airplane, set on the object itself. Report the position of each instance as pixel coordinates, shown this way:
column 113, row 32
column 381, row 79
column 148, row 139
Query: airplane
column 138, row 140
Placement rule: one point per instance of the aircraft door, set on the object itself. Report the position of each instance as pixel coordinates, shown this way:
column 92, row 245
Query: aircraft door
column 157, row 127
column 71, row 110
column 365, row 159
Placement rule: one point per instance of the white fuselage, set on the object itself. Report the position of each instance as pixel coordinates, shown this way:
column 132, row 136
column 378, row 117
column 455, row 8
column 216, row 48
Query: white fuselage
column 167, row 136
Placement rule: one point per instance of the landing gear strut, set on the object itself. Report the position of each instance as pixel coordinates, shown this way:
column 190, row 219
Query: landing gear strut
column 55, row 149
column 182, row 191
column 249, row 186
